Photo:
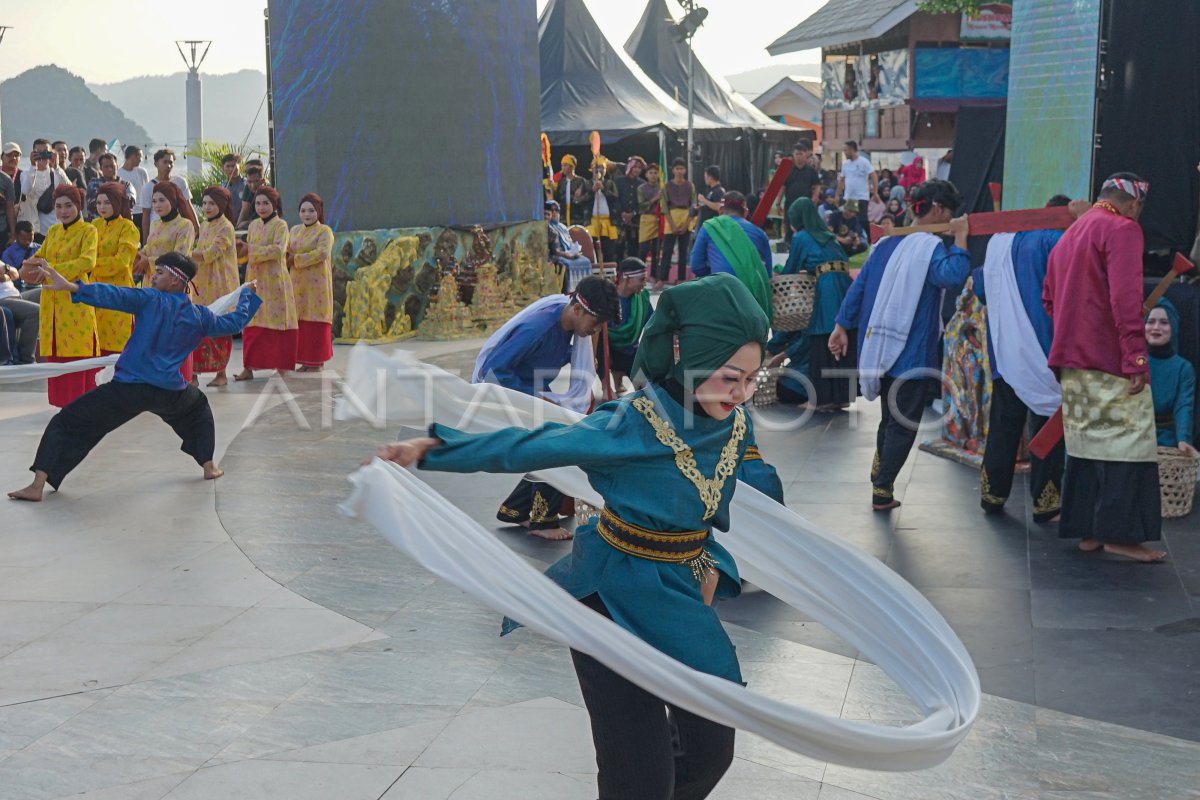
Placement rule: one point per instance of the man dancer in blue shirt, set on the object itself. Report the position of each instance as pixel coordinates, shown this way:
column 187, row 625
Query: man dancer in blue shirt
column 895, row 303
column 731, row 243
column 167, row 328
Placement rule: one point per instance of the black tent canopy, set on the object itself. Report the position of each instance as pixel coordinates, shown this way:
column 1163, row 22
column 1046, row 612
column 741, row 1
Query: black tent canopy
column 663, row 56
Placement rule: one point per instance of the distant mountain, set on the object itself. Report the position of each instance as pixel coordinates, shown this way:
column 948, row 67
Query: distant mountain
column 50, row 102
column 230, row 104
column 756, row 81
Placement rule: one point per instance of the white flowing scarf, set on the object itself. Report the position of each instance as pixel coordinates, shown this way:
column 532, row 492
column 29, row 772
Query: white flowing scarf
column 1019, row 356
column 850, row 592
column 578, row 396
column 895, row 307
column 21, row 373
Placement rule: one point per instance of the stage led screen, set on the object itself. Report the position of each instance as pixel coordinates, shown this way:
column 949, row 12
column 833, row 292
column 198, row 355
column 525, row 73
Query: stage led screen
column 407, row 113
column 1051, row 101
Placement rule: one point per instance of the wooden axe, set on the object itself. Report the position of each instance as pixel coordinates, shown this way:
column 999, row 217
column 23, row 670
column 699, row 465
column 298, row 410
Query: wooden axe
column 1052, row 432
column 989, row 222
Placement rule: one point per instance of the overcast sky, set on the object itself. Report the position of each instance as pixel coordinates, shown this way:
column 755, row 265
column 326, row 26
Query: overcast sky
column 68, row 33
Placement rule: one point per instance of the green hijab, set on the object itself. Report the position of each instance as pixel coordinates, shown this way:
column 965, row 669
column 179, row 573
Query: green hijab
column 713, row 317
column 803, row 216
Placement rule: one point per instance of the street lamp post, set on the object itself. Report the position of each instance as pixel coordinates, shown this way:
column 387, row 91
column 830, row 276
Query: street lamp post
column 686, row 29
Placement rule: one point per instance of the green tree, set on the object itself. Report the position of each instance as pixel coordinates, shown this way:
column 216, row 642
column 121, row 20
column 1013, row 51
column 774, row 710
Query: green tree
column 949, row 6
column 210, row 154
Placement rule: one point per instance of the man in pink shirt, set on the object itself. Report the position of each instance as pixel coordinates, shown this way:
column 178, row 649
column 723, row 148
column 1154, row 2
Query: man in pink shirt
column 1093, row 294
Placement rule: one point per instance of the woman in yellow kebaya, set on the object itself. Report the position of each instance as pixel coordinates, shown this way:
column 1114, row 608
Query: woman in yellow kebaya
column 270, row 341
column 66, row 330
column 116, row 248
column 216, row 275
column 310, row 249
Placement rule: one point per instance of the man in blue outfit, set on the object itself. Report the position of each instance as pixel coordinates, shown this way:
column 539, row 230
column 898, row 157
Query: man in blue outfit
column 167, row 328
column 895, row 303
column 730, row 243
column 526, row 355
column 1024, row 393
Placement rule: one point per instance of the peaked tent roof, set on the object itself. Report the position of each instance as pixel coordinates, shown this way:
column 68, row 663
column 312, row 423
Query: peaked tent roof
column 587, row 84
column 663, row 57
column 842, row 22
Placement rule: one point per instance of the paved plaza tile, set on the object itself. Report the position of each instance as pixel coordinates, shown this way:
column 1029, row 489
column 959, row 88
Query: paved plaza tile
column 163, row 638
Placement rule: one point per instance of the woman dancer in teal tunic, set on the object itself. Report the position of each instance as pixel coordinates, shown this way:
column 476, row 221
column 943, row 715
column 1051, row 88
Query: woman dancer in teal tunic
column 664, row 458
column 815, row 250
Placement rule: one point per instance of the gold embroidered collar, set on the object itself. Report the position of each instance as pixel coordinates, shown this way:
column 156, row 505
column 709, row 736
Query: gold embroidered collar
column 685, row 460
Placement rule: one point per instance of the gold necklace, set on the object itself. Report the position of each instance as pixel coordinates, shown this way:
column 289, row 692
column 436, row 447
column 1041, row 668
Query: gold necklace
column 685, row 460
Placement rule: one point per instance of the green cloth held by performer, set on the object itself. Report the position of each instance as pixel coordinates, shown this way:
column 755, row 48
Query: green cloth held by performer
column 627, row 333
column 744, row 257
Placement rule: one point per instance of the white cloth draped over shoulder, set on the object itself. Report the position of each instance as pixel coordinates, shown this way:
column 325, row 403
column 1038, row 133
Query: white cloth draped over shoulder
column 578, row 396
column 850, row 592
column 21, row 373
column 895, row 307
column 1019, row 356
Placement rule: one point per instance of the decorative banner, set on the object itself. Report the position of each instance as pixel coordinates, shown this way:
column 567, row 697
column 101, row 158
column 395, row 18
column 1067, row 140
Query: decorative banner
column 993, row 23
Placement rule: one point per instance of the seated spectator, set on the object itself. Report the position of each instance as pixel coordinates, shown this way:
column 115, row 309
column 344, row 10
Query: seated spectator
column 828, row 206
column 108, row 174
column 887, row 222
column 847, row 229
column 20, row 318
column 895, row 209
column 22, row 248
column 564, row 250
column 875, row 209
column 1172, row 380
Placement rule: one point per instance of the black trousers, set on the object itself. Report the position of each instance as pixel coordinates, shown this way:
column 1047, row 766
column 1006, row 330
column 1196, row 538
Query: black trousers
column 1007, row 419
column 670, row 242
column 647, row 749
column 649, row 252
column 1113, row 501
column 80, row 426
column 904, row 403
column 539, row 503
column 627, row 244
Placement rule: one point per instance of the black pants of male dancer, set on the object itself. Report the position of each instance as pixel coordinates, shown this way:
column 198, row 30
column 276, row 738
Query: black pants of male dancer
column 80, row 426
column 903, row 402
column 641, row 752
column 534, row 502
column 1008, row 418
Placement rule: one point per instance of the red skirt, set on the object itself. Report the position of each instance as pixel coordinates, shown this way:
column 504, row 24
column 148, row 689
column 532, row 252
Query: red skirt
column 213, row 354
column 264, row 348
column 315, row 345
column 62, row 390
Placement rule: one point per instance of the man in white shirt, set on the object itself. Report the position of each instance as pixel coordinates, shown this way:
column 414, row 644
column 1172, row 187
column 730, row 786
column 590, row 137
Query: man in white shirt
column 857, row 181
column 164, row 162
column 44, row 176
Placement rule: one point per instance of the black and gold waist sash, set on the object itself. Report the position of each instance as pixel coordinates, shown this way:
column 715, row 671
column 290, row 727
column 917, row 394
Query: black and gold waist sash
column 677, row 547
column 833, row 266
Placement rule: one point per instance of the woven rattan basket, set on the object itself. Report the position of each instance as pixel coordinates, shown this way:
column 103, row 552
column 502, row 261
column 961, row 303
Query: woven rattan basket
column 767, row 393
column 1176, row 481
column 793, row 298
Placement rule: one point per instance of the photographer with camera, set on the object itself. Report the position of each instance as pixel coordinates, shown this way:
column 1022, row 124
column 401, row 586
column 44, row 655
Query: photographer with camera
column 36, row 205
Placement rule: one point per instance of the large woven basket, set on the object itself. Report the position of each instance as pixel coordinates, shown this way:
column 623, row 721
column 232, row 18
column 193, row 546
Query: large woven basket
column 793, row 298
column 1176, row 481
column 767, row 393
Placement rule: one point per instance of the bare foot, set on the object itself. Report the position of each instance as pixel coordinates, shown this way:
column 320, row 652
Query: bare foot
column 244, row 375
column 309, row 369
column 1138, row 552
column 31, row 493
column 195, row 381
column 212, row 471
column 220, row 380
column 885, row 506
column 553, row 534
column 1057, row 518
column 1090, row 545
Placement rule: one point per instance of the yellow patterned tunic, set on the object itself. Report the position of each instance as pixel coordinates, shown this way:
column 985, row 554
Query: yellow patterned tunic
column 311, row 247
column 216, row 260
column 177, row 234
column 116, row 245
column 268, row 243
column 66, row 329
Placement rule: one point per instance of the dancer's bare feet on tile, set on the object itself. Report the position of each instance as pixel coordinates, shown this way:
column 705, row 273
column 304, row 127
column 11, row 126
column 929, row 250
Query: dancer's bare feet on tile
column 553, row 534
column 33, row 492
column 244, row 375
column 1090, row 545
column 1138, row 552
column 221, row 379
column 212, row 471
